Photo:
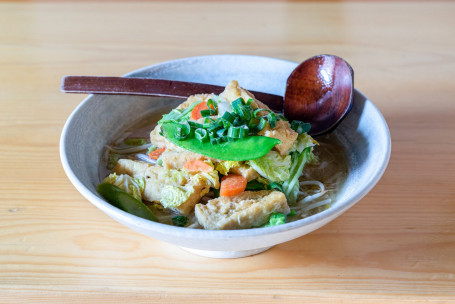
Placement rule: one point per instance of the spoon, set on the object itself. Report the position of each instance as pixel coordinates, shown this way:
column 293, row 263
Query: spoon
column 319, row 91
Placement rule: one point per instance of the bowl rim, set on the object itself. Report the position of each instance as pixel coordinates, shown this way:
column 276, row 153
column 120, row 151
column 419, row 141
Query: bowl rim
column 125, row 217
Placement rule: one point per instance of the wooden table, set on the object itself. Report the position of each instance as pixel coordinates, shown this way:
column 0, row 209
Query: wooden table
column 397, row 244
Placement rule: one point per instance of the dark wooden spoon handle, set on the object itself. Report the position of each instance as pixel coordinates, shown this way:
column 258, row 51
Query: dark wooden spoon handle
column 152, row 87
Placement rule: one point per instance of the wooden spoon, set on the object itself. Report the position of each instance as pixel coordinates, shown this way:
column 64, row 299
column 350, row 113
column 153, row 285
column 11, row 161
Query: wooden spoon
column 319, row 91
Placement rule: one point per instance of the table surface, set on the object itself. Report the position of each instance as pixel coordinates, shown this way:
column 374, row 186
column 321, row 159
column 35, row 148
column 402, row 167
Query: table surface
column 396, row 244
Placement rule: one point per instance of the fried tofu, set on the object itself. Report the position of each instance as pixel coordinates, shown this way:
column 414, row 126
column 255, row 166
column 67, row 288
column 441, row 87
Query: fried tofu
column 246, row 210
column 246, row 171
column 174, row 159
column 283, row 132
column 157, row 178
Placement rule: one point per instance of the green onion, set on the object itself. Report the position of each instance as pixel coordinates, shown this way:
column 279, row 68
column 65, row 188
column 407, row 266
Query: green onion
column 226, row 124
column 255, row 113
column 206, row 113
column 300, row 126
column 212, row 104
column 228, row 117
column 262, row 124
column 194, row 124
column 272, row 119
column 237, row 103
column 213, row 127
column 239, row 107
column 237, row 121
column 177, row 115
column 238, row 132
column 216, row 141
column 201, row 134
column 282, row 117
column 182, row 131
column 233, row 132
column 243, row 131
column 180, row 220
column 221, row 132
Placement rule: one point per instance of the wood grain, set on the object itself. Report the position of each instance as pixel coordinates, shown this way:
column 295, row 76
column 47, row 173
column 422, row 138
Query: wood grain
column 397, row 244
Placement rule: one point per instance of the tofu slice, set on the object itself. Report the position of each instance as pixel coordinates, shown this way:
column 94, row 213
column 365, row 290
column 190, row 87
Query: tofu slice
column 246, row 171
column 282, row 130
column 174, row 159
column 157, row 177
column 246, row 210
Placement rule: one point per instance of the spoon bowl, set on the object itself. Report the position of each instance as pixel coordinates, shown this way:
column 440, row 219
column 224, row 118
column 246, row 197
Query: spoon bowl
column 320, row 91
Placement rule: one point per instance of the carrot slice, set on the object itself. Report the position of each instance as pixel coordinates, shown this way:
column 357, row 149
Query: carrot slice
column 196, row 112
column 232, row 184
column 197, row 165
column 155, row 154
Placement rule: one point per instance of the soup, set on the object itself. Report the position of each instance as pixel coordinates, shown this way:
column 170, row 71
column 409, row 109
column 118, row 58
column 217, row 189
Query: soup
column 323, row 174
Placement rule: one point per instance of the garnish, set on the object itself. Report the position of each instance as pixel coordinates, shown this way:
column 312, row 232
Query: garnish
column 234, row 130
column 250, row 147
column 300, row 126
column 180, row 220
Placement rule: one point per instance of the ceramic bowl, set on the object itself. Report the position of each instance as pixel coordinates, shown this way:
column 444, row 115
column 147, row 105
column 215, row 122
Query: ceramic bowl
column 100, row 118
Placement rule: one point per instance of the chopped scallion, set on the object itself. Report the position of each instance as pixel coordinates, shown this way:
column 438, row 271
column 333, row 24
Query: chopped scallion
column 201, row 134
column 300, row 126
column 206, row 113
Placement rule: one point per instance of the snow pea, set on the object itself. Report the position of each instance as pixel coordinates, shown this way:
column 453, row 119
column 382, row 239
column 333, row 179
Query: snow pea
column 247, row 148
column 125, row 201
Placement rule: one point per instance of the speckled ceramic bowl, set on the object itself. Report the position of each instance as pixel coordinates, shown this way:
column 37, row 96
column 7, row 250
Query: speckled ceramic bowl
column 100, row 118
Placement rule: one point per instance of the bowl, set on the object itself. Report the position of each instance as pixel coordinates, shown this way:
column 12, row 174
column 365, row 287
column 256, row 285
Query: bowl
column 100, row 118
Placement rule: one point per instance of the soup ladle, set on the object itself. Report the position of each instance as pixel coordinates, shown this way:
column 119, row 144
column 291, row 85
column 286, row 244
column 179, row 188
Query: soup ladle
column 319, row 91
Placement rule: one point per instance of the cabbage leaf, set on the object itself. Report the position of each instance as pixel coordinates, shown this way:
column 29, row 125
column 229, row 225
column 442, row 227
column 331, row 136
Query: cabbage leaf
column 272, row 166
column 181, row 186
column 303, row 141
column 210, row 179
column 291, row 186
column 225, row 165
column 174, row 196
column 131, row 185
